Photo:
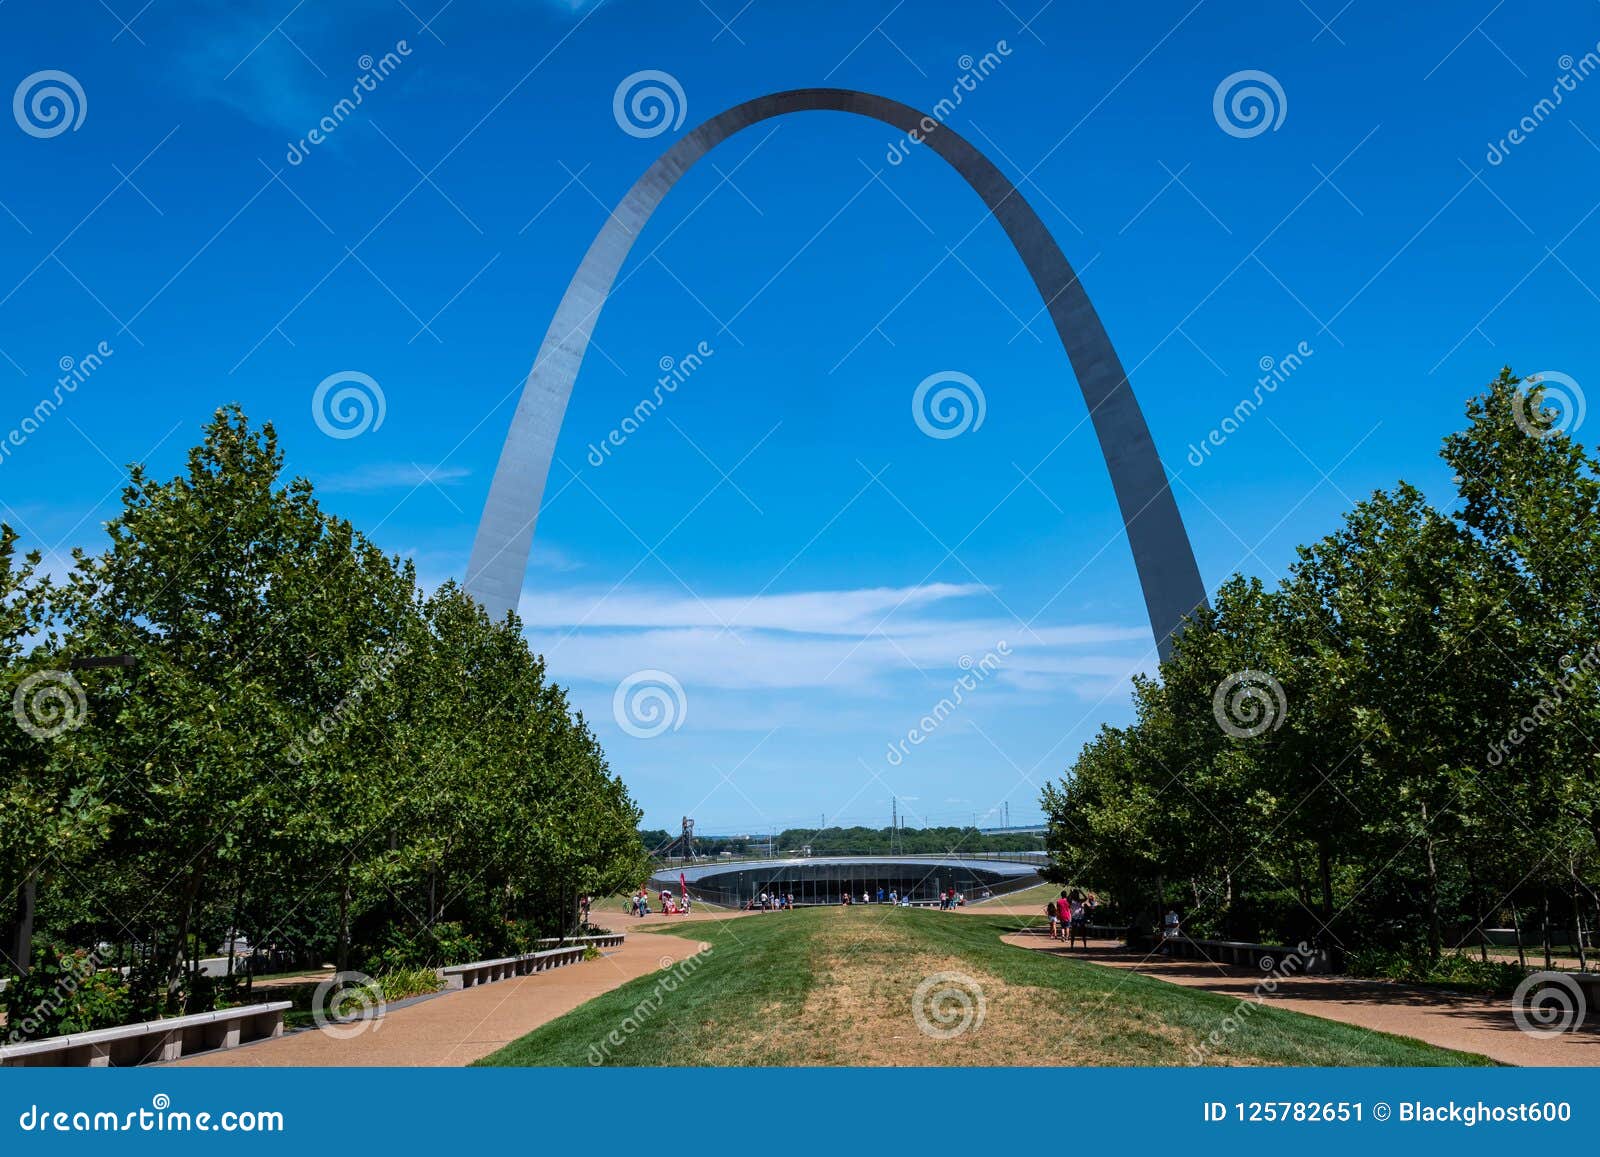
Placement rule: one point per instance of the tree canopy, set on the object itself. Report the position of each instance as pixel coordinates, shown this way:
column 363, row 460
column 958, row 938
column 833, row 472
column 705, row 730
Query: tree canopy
column 1391, row 748
column 300, row 749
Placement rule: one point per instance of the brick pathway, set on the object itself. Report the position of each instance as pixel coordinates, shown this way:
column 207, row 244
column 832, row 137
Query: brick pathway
column 459, row 1027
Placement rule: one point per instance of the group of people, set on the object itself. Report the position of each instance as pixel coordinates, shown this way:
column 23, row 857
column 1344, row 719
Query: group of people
column 670, row 905
column 778, row 901
column 1070, row 915
column 892, row 897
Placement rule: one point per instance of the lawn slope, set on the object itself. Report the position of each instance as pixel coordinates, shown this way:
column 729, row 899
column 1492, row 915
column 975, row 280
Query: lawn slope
column 836, row 986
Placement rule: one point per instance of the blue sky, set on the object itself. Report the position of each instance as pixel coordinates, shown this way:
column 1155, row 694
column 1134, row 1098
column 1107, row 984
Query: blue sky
column 780, row 537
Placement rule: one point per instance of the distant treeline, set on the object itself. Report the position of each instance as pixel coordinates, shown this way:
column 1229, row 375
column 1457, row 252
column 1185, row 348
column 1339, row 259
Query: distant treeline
column 852, row 841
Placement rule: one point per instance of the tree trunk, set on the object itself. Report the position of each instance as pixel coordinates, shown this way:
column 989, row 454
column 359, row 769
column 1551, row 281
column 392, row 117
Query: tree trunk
column 1544, row 931
column 1577, row 931
column 1435, row 923
column 1516, row 924
column 20, row 946
column 342, row 954
column 178, row 954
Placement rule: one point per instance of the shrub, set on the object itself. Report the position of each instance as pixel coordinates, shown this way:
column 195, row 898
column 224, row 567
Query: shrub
column 408, row 982
column 432, row 947
column 66, row 991
column 590, row 952
column 1453, row 970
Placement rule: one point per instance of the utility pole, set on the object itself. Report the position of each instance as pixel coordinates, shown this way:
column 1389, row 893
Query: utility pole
column 894, row 821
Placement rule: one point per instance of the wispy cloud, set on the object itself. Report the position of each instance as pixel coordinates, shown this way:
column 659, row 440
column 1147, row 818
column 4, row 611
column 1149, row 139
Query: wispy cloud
column 390, row 476
column 856, row 641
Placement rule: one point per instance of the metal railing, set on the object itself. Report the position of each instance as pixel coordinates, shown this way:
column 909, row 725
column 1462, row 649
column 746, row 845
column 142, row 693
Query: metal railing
column 1033, row 857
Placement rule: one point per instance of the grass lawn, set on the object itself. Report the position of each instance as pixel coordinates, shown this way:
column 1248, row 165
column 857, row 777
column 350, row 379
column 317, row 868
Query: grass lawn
column 1037, row 895
column 835, row 986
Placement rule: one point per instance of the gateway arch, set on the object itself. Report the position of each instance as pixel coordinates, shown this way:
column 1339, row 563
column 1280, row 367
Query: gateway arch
column 1162, row 556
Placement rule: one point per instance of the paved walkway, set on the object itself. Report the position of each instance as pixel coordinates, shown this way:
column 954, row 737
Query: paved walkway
column 459, row 1027
column 1450, row 1020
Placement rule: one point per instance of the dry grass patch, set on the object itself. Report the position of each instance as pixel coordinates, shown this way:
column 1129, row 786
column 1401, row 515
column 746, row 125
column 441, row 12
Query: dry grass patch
column 863, row 1010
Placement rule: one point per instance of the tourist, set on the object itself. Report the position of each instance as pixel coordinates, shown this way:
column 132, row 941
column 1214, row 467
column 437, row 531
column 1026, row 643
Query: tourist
column 1169, row 930
column 1078, row 922
column 583, row 909
column 1063, row 916
column 894, row 896
column 880, row 895
column 763, row 902
column 789, row 901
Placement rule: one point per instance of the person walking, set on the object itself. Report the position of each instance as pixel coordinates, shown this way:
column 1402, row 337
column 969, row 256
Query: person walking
column 1063, row 916
column 1078, row 925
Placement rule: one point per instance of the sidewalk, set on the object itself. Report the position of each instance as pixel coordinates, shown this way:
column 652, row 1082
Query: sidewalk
column 1450, row 1020
column 457, row 1028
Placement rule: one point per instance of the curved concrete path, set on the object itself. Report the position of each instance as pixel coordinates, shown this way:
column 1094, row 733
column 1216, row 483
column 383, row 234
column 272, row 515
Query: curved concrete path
column 1450, row 1020
column 457, row 1028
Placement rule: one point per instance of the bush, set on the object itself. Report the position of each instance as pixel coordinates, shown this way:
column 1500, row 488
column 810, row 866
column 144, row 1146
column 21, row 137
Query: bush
column 65, row 992
column 1453, row 970
column 433, row 947
column 408, row 982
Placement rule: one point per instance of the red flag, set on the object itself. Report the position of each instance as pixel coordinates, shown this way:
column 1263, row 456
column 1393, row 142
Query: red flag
column 683, row 883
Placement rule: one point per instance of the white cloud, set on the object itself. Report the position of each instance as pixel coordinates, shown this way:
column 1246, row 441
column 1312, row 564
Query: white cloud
column 858, row 641
column 390, row 476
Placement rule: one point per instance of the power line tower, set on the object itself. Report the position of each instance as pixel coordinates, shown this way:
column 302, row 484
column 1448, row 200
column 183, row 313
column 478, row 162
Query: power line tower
column 688, row 839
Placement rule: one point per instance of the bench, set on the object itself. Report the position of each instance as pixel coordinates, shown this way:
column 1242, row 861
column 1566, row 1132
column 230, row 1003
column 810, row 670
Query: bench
column 153, row 1041
column 1264, row 957
column 605, row 940
column 488, row 971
